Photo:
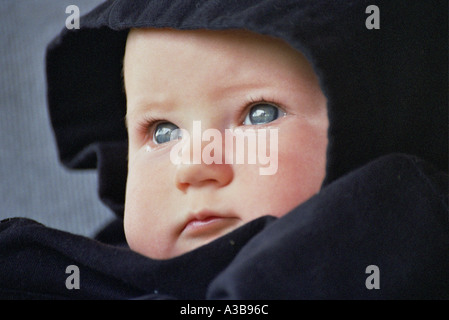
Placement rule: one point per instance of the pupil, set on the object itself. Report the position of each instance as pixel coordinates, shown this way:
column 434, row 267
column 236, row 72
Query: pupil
column 263, row 113
column 163, row 132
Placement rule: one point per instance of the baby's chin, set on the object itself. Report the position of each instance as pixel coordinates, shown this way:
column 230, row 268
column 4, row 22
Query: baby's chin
column 190, row 240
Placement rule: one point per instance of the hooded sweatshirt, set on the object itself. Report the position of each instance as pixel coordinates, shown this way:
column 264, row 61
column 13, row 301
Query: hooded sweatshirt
column 378, row 228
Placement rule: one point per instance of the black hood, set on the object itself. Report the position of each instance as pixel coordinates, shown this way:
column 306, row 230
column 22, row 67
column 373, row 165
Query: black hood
column 387, row 88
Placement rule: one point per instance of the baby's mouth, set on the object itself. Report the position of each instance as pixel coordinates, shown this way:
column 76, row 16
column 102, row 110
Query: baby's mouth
column 208, row 223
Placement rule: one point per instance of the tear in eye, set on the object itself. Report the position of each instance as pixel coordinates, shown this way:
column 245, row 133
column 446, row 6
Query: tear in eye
column 263, row 113
column 166, row 132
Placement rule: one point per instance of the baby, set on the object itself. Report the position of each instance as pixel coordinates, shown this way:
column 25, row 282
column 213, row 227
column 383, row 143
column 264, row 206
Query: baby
column 229, row 81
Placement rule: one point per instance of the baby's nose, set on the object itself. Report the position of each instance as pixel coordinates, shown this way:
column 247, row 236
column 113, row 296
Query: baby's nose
column 198, row 173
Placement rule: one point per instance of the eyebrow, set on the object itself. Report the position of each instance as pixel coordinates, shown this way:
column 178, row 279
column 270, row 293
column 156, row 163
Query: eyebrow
column 154, row 109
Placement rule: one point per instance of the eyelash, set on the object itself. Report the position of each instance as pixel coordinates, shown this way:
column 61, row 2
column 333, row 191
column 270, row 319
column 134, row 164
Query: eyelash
column 147, row 124
column 252, row 102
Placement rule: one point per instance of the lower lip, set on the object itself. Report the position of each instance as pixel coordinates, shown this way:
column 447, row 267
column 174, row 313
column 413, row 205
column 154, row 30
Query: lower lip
column 207, row 225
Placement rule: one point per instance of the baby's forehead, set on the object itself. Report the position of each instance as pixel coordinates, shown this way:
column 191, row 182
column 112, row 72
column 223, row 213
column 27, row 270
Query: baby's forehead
column 222, row 49
column 239, row 37
column 219, row 42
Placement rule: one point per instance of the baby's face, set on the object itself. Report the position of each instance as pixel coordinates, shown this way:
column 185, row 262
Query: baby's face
column 216, row 86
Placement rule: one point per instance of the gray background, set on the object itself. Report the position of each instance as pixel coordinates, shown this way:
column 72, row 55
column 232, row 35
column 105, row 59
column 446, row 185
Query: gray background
column 33, row 183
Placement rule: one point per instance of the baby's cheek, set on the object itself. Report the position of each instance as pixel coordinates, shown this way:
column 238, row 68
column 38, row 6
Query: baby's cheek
column 140, row 224
column 301, row 169
column 139, row 202
column 151, row 204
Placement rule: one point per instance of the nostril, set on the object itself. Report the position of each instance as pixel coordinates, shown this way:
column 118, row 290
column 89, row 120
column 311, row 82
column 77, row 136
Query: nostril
column 182, row 186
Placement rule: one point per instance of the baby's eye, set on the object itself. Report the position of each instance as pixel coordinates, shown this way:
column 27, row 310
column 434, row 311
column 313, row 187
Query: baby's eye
column 165, row 132
column 263, row 113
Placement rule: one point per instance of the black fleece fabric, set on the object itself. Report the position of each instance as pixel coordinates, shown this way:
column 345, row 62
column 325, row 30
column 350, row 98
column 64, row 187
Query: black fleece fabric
column 383, row 203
